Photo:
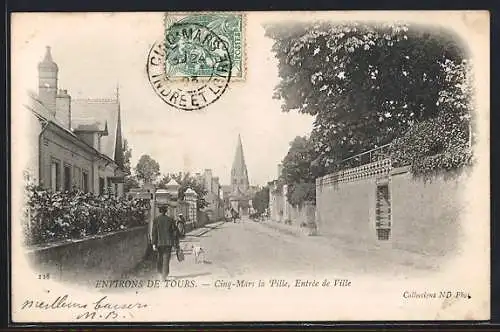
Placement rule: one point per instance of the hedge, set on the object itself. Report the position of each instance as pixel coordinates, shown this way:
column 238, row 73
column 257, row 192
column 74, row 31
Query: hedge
column 435, row 145
column 56, row 216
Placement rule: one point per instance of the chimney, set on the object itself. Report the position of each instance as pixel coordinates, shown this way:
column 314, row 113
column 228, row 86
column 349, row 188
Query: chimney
column 47, row 81
column 280, row 170
column 63, row 108
column 208, row 180
column 215, row 184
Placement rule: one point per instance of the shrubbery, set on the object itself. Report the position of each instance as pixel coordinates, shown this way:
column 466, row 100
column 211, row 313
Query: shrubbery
column 71, row 215
column 434, row 145
column 298, row 193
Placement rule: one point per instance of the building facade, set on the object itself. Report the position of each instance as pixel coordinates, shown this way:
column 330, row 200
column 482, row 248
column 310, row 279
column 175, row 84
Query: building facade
column 67, row 152
column 213, row 198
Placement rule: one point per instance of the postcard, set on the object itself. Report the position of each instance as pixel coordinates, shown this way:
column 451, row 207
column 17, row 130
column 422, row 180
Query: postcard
column 250, row 166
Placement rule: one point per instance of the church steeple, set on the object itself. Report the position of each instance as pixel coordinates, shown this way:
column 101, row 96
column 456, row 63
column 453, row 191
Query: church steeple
column 119, row 154
column 239, row 173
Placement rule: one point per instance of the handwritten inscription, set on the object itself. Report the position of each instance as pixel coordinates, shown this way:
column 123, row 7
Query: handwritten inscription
column 102, row 308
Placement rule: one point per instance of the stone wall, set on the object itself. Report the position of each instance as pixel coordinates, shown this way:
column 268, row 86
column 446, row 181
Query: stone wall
column 347, row 209
column 425, row 215
column 100, row 257
column 303, row 216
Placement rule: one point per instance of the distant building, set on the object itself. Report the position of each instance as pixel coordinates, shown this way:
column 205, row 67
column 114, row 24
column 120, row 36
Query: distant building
column 239, row 194
column 212, row 197
column 74, row 143
column 279, row 208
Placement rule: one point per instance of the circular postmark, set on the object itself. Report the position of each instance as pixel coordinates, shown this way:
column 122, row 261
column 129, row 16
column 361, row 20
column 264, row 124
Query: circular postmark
column 191, row 68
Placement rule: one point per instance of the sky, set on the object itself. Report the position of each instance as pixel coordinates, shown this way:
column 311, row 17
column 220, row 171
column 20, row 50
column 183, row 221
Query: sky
column 96, row 52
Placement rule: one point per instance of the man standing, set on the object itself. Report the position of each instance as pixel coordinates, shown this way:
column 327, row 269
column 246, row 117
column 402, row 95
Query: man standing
column 164, row 238
column 181, row 225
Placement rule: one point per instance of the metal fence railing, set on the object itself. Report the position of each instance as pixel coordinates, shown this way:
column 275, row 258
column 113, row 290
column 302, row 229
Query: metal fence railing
column 367, row 157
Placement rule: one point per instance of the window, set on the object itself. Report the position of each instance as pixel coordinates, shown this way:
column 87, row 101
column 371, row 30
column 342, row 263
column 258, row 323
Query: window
column 55, row 175
column 67, row 178
column 109, row 185
column 85, row 181
column 101, row 186
column 77, row 177
column 116, row 189
column 98, row 142
column 383, row 212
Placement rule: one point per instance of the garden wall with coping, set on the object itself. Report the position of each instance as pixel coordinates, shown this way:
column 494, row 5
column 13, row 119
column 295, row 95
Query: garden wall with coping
column 425, row 214
column 104, row 256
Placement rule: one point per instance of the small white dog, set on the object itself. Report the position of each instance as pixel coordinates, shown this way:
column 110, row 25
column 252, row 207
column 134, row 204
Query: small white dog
column 198, row 253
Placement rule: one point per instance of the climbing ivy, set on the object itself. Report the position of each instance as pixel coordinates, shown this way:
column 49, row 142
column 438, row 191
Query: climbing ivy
column 443, row 142
column 438, row 144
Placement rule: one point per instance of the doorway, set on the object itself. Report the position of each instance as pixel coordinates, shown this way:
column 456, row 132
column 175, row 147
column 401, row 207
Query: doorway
column 383, row 212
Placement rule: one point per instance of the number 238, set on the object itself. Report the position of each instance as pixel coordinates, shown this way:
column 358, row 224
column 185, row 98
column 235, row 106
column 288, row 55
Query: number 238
column 44, row 276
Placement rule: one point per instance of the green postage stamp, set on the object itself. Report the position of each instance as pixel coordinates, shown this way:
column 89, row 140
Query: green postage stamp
column 190, row 60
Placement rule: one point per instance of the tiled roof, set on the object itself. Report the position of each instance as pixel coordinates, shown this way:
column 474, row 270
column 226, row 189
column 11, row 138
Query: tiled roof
column 88, row 114
column 43, row 111
column 96, row 126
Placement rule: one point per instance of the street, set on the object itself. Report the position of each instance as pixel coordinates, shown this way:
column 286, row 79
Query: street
column 250, row 248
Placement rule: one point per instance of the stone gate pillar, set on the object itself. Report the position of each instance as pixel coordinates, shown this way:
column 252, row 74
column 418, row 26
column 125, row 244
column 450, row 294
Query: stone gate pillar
column 190, row 197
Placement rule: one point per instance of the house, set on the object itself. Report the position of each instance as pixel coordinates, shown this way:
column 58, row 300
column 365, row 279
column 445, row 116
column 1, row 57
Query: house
column 74, row 143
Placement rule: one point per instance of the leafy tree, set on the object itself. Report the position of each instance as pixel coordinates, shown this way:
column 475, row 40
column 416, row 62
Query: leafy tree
column 187, row 181
column 298, row 193
column 297, row 163
column 127, row 154
column 130, row 182
column 365, row 84
column 147, row 169
column 260, row 200
column 162, row 184
column 300, row 171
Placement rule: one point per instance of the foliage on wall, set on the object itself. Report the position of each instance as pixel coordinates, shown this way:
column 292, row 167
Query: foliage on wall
column 444, row 142
column 439, row 144
column 56, row 216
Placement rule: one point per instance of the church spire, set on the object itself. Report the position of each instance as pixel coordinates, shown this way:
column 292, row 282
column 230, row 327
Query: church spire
column 239, row 173
column 119, row 153
column 117, row 92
